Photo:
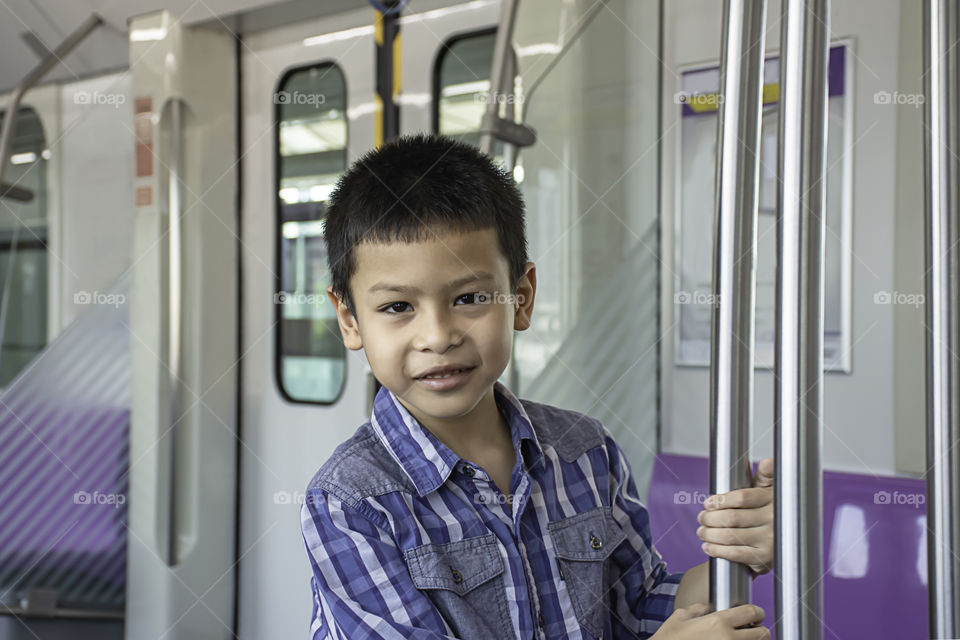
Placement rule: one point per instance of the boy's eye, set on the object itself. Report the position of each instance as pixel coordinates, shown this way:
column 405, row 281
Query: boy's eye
column 474, row 298
column 392, row 307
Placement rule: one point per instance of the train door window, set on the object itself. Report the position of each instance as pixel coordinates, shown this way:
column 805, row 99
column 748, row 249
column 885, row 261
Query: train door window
column 461, row 88
column 23, row 250
column 311, row 147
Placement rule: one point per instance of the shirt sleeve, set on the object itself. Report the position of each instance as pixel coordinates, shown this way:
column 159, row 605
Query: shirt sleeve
column 362, row 589
column 643, row 596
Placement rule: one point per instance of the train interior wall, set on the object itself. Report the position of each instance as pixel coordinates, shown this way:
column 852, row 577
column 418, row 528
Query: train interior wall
column 873, row 416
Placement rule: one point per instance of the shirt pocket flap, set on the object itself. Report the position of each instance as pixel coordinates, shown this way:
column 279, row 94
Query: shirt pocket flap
column 458, row 566
column 591, row 535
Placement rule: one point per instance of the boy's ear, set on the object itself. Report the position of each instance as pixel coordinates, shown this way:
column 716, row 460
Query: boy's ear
column 349, row 329
column 526, row 289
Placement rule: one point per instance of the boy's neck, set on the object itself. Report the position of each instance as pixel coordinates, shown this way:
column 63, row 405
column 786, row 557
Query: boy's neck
column 475, row 435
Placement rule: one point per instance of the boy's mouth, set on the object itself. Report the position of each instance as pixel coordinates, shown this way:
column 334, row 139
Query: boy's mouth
column 440, row 373
column 446, row 378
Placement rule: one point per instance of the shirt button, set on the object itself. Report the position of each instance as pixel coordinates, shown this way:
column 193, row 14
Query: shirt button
column 457, row 577
column 540, row 619
column 595, row 542
column 468, row 471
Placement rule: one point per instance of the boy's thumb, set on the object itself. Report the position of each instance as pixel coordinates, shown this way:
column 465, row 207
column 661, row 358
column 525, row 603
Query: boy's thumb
column 764, row 475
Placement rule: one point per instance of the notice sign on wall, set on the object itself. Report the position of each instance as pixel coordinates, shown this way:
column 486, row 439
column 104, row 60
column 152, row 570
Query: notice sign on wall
column 693, row 287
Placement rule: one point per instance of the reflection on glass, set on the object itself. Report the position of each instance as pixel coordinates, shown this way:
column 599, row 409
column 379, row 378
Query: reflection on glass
column 23, row 252
column 591, row 192
column 463, row 91
column 312, row 143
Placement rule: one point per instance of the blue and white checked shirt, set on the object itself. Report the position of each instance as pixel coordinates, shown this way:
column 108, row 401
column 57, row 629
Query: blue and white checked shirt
column 408, row 541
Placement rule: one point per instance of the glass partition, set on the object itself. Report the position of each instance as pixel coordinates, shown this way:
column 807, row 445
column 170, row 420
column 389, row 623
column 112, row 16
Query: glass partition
column 23, row 250
column 591, row 189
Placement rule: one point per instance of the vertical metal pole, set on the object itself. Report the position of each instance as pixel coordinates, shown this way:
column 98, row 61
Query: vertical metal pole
column 941, row 138
column 734, row 279
column 387, row 39
column 498, row 72
column 801, row 203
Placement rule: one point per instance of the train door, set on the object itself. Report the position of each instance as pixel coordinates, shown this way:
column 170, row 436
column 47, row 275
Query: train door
column 308, row 111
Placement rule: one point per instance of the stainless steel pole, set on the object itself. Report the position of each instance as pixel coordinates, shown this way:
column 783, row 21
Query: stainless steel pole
column 941, row 138
column 798, row 402
column 498, row 71
column 734, row 275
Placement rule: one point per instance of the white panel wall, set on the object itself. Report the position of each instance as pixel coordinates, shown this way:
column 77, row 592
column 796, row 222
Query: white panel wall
column 96, row 188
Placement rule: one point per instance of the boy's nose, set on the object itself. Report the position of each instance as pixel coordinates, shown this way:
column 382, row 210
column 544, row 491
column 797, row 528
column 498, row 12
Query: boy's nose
column 437, row 331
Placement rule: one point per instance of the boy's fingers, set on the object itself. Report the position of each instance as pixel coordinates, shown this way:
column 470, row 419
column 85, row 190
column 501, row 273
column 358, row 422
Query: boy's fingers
column 742, row 554
column 764, row 475
column 743, row 615
column 754, row 633
column 733, row 518
column 744, row 537
column 739, row 499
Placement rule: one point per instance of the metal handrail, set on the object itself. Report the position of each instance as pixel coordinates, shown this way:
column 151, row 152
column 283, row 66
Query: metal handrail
column 798, row 401
column 734, row 273
column 941, row 138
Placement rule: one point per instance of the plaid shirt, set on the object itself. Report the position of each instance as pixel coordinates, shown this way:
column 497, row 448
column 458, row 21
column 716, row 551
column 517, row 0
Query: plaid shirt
column 408, row 541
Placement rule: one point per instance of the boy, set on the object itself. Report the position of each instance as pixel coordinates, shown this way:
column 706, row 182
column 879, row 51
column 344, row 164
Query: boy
column 458, row 510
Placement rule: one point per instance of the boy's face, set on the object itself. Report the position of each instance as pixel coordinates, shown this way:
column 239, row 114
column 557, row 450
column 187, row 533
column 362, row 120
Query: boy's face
column 417, row 308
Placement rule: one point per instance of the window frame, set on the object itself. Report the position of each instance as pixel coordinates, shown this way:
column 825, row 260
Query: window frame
column 442, row 52
column 278, row 229
column 30, row 239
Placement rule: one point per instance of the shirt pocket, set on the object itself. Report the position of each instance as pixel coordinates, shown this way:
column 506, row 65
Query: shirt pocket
column 583, row 544
column 465, row 581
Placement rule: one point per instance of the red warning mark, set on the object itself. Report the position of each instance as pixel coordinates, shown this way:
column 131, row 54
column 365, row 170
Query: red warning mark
column 144, row 196
column 143, row 130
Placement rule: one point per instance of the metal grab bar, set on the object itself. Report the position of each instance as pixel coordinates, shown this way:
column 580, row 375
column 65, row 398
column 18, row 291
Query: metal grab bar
column 798, row 401
column 173, row 320
column 941, row 141
column 502, row 73
column 734, row 273
column 34, row 76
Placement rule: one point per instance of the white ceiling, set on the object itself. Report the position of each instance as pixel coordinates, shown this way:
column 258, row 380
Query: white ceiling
column 106, row 48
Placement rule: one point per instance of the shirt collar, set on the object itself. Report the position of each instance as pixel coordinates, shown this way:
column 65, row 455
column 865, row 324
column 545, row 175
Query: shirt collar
column 426, row 460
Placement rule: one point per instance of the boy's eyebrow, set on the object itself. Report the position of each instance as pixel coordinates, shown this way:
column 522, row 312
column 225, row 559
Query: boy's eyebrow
column 479, row 275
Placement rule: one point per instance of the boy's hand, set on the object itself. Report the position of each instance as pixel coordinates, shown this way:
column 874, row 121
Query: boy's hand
column 738, row 525
column 697, row 621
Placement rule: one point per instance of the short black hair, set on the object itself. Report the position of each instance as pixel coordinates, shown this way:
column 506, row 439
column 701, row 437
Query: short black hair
column 407, row 189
